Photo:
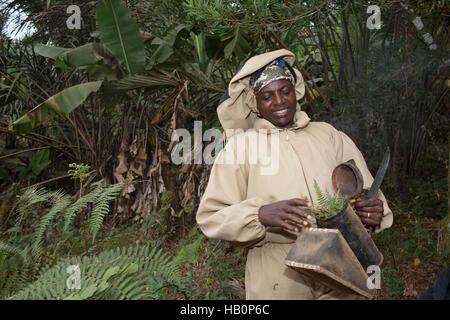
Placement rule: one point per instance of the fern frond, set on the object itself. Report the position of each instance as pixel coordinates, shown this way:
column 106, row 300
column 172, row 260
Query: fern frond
column 320, row 196
column 329, row 204
column 81, row 203
column 101, row 207
column 60, row 201
column 31, row 197
column 123, row 273
column 11, row 249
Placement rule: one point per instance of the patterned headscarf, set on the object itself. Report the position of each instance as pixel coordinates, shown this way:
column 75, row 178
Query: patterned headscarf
column 278, row 69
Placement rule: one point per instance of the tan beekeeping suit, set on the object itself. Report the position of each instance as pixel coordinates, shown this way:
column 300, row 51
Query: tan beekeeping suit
column 237, row 189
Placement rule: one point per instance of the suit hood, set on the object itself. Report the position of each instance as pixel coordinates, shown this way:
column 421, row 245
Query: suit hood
column 237, row 108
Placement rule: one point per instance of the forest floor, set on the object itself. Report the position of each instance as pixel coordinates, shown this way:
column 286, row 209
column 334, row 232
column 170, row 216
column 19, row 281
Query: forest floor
column 413, row 251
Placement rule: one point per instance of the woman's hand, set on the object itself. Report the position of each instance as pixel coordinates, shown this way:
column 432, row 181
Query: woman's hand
column 285, row 214
column 370, row 211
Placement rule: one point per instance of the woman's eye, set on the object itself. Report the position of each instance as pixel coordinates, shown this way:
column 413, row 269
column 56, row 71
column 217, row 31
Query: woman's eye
column 267, row 98
column 286, row 91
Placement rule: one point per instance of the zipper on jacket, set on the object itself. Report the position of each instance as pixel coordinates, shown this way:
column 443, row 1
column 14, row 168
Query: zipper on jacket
column 286, row 132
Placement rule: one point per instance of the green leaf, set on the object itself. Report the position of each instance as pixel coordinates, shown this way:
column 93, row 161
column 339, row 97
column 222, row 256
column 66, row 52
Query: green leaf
column 84, row 294
column 130, row 268
column 40, row 161
column 189, row 253
column 103, row 286
column 120, row 34
column 165, row 48
column 94, row 57
column 163, row 53
column 49, row 51
column 73, row 296
column 63, row 102
column 199, row 43
column 110, row 272
column 88, row 292
column 87, row 54
column 238, row 45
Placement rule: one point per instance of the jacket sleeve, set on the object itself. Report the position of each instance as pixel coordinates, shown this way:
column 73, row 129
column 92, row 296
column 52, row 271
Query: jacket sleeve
column 346, row 150
column 224, row 211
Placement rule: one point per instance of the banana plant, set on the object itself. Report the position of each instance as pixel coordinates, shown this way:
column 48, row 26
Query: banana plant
column 121, row 41
column 61, row 104
column 120, row 34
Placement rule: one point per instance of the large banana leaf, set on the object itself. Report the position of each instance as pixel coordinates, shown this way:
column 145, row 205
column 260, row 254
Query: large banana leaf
column 87, row 54
column 61, row 103
column 120, row 34
column 165, row 48
column 49, row 51
column 238, row 45
column 95, row 57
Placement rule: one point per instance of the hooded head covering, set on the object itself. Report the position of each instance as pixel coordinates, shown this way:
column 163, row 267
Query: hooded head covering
column 278, row 69
column 237, row 109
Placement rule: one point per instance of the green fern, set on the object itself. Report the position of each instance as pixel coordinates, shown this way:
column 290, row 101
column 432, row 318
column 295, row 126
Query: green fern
column 19, row 268
column 59, row 201
column 30, row 198
column 64, row 211
column 38, row 233
column 124, row 273
column 328, row 204
column 101, row 207
column 12, row 250
column 82, row 203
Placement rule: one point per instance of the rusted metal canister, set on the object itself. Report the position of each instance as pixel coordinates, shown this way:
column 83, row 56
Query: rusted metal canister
column 348, row 179
column 340, row 250
column 325, row 256
column 356, row 235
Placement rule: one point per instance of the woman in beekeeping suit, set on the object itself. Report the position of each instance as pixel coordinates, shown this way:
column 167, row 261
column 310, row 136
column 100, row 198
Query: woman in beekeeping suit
column 263, row 210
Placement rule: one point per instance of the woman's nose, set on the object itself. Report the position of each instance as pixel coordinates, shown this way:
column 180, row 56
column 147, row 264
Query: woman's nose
column 278, row 98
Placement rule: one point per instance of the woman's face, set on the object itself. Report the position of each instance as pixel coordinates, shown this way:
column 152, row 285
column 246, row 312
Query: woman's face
column 276, row 103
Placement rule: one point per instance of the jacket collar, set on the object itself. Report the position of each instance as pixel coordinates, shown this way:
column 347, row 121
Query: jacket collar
column 301, row 120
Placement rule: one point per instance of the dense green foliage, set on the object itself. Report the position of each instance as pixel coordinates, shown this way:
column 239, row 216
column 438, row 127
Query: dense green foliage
column 108, row 96
column 124, row 273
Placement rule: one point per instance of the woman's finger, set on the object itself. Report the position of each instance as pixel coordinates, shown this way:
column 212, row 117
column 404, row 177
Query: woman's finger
column 370, row 209
column 289, row 226
column 370, row 222
column 298, row 202
column 374, row 202
column 299, row 212
column 370, row 215
column 295, row 219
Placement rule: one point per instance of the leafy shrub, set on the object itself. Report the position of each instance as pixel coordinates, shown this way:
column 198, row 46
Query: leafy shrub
column 124, row 273
column 394, row 286
column 44, row 225
column 429, row 196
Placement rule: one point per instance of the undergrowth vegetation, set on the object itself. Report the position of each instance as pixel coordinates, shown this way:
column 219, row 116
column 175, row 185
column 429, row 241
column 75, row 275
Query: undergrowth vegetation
column 86, row 179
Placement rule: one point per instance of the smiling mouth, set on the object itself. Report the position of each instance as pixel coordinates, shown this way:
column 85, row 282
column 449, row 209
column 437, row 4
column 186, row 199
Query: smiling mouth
column 281, row 113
